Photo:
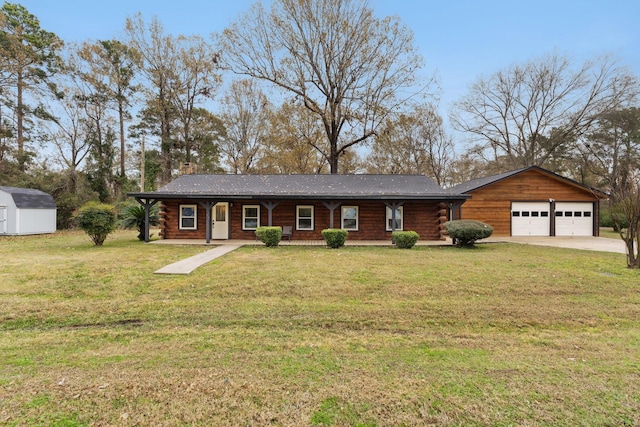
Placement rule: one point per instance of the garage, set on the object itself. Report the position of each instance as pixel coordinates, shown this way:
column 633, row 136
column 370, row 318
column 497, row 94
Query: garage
column 574, row 219
column 530, row 219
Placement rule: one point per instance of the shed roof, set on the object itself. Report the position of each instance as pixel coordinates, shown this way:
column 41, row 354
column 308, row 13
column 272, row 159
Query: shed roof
column 302, row 186
column 476, row 184
column 29, row 198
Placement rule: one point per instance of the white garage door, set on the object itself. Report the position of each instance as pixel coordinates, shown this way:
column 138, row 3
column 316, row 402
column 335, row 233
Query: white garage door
column 530, row 219
column 574, row 219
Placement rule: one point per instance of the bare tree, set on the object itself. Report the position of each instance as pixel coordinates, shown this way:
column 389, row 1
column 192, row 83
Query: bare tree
column 414, row 143
column 347, row 67
column 527, row 113
column 289, row 145
column 245, row 113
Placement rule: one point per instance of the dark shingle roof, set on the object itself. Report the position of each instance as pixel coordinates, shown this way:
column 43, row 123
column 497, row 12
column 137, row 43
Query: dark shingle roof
column 478, row 183
column 303, row 186
column 28, row 198
column 474, row 184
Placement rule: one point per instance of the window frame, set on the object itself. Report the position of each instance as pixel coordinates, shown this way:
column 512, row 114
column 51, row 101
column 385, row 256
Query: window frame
column 357, row 218
column 298, row 217
column 388, row 215
column 181, row 226
column 245, row 217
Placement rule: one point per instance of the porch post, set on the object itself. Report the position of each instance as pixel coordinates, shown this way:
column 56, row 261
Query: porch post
column 270, row 207
column 148, row 204
column 331, row 206
column 393, row 206
column 207, row 205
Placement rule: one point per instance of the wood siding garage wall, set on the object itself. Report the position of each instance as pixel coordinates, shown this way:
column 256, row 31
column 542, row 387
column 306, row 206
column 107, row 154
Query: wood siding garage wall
column 492, row 204
column 424, row 217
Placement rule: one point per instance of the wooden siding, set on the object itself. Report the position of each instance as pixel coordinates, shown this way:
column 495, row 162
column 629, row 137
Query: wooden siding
column 424, row 217
column 492, row 204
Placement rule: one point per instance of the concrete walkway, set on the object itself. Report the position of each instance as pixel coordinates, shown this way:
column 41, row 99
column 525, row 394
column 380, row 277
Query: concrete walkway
column 187, row 265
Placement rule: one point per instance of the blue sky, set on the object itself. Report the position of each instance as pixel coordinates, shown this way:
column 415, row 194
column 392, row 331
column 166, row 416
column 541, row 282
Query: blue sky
column 459, row 39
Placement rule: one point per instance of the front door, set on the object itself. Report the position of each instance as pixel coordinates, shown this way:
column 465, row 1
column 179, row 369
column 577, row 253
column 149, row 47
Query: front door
column 220, row 230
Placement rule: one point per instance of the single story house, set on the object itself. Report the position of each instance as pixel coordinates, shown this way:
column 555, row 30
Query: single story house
column 370, row 207
column 26, row 211
column 531, row 201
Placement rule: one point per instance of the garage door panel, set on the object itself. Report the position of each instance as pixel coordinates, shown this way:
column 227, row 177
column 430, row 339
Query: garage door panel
column 530, row 219
column 574, row 219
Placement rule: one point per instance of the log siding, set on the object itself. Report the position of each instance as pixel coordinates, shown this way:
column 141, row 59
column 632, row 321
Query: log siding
column 423, row 216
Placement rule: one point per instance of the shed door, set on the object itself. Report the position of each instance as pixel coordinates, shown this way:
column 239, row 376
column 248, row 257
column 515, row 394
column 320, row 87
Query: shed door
column 220, row 221
column 530, row 219
column 574, row 219
column 3, row 220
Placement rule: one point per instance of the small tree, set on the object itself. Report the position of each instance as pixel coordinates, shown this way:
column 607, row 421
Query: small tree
column 98, row 220
column 625, row 214
column 465, row 232
column 134, row 217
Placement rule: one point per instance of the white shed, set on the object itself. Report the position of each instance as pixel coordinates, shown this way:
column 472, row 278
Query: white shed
column 26, row 211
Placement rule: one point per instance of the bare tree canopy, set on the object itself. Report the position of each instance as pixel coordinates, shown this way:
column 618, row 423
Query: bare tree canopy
column 527, row 113
column 345, row 65
column 414, row 143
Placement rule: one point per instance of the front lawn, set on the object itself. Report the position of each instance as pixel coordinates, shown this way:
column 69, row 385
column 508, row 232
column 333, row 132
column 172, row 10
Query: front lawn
column 504, row 334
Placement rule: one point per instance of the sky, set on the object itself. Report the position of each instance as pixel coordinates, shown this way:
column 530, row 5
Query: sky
column 460, row 40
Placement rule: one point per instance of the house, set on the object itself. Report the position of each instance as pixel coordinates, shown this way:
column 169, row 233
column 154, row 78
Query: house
column 370, row 207
column 26, row 211
column 531, row 201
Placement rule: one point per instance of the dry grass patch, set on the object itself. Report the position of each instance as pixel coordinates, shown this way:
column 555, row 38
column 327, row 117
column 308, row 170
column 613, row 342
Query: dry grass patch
column 500, row 335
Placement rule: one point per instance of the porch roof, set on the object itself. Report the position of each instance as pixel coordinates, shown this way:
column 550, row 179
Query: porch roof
column 324, row 187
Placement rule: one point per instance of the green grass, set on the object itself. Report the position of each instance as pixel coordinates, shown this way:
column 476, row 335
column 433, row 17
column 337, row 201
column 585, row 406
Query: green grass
column 499, row 335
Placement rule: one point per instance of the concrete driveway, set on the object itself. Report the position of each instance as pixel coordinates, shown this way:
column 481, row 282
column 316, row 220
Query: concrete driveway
column 601, row 244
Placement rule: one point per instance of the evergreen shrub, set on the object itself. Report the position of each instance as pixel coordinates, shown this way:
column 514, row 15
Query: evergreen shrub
column 335, row 237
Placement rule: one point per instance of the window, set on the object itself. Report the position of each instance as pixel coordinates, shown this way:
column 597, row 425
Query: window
column 535, row 213
column 525, row 213
column 516, row 213
column 587, row 213
column 544, row 213
column 188, row 217
column 398, row 219
column 304, row 217
column 250, row 217
column 350, row 218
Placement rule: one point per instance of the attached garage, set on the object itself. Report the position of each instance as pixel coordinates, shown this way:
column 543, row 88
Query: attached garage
column 531, row 202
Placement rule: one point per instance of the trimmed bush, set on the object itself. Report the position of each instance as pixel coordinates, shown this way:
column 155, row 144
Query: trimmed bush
column 465, row 232
column 405, row 239
column 270, row 236
column 335, row 237
column 98, row 220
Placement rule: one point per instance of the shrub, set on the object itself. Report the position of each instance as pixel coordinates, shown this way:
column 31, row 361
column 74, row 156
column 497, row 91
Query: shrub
column 335, row 237
column 405, row 239
column 465, row 232
column 607, row 214
column 98, row 220
column 270, row 236
column 133, row 216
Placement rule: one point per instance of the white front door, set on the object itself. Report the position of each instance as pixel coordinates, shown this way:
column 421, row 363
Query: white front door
column 3, row 219
column 574, row 219
column 530, row 219
column 220, row 215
